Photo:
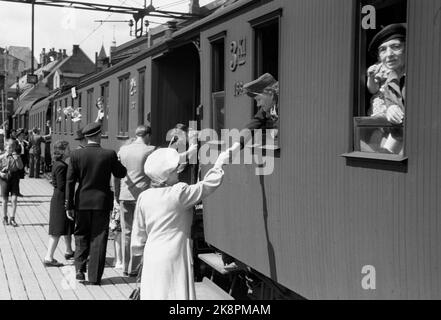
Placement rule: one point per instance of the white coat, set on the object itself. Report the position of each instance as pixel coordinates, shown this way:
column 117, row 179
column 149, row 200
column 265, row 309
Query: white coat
column 162, row 233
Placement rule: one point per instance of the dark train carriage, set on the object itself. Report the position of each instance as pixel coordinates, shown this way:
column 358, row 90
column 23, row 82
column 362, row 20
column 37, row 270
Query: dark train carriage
column 158, row 87
column 337, row 218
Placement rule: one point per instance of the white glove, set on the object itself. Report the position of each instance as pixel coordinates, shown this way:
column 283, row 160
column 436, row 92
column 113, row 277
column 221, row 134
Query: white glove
column 394, row 114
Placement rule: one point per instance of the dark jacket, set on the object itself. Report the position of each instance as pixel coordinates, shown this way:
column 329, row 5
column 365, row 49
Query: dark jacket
column 35, row 144
column 92, row 167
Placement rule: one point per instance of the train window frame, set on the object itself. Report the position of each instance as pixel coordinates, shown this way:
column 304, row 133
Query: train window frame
column 123, row 106
column 360, row 120
column 104, row 89
column 217, row 81
column 89, row 104
column 257, row 24
column 141, row 95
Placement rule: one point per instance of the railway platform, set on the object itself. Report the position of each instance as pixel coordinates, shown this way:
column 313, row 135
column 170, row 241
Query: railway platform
column 22, row 249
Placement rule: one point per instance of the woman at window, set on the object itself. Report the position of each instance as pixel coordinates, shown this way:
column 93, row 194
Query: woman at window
column 386, row 78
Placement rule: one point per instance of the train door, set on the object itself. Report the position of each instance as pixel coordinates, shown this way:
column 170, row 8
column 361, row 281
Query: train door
column 175, row 90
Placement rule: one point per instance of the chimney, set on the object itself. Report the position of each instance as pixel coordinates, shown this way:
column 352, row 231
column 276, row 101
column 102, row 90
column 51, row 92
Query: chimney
column 60, row 54
column 64, row 53
column 194, row 8
column 75, row 49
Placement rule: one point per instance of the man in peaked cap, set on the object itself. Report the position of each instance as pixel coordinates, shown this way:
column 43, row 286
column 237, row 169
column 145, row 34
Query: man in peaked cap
column 92, row 167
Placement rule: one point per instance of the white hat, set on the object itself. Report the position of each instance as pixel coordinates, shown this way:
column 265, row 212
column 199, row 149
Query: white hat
column 161, row 163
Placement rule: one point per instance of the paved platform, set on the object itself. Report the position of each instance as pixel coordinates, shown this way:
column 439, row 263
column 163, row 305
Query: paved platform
column 22, row 250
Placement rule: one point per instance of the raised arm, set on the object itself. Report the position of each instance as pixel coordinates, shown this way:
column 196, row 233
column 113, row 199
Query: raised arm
column 189, row 195
column 139, row 230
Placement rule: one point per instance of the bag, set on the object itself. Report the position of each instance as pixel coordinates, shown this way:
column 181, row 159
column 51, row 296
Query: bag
column 136, row 293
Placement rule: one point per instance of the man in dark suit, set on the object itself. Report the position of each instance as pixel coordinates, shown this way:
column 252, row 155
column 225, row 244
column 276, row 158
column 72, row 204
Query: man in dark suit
column 35, row 153
column 92, row 167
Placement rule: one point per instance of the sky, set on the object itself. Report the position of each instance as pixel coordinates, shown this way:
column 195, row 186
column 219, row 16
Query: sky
column 61, row 28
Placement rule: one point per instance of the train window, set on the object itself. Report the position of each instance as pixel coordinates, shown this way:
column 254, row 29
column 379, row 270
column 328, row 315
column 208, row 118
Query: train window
column 89, row 106
column 141, row 96
column 380, row 75
column 123, row 105
column 266, row 60
column 80, row 94
column 65, row 117
column 218, row 83
column 105, row 95
column 71, row 122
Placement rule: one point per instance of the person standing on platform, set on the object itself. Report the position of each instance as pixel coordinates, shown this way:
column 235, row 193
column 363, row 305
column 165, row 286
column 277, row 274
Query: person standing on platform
column 35, row 153
column 59, row 223
column 133, row 157
column 162, row 223
column 92, row 167
column 10, row 165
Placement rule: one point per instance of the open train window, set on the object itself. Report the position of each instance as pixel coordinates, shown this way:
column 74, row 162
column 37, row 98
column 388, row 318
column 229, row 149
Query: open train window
column 105, row 95
column 380, row 72
column 266, row 60
column 123, row 105
column 218, row 83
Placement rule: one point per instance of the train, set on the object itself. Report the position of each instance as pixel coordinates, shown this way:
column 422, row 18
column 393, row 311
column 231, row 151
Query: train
column 335, row 219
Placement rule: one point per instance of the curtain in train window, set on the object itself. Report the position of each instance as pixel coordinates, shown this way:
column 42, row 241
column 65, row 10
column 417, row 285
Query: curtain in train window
column 105, row 95
column 380, row 74
column 123, row 106
column 71, row 122
column 218, row 84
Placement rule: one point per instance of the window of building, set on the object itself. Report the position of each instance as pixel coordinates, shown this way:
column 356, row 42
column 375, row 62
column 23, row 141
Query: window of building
column 89, row 107
column 123, row 105
column 378, row 110
column 218, row 83
column 266, row 60
column 105, row 95
column 141, row 96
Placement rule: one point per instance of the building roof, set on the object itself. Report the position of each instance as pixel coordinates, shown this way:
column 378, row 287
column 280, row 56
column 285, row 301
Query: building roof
column 29, row 97
column 102, row 55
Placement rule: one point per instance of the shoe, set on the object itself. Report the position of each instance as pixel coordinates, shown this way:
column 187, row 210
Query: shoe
column 5, row 221
column 92, row 283
column 118, row 266
column 80, row 276
column 53, row 263
column 12, row 222
column 69, row 256
column 20, row 195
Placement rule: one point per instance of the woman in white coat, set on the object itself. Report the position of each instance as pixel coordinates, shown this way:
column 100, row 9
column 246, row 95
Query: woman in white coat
column 162, row 226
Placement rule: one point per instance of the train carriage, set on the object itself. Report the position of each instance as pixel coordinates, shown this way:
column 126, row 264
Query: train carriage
column 337, row 218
